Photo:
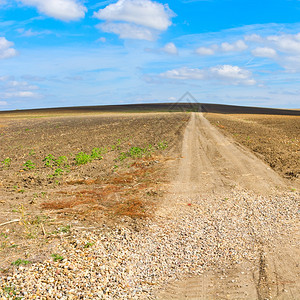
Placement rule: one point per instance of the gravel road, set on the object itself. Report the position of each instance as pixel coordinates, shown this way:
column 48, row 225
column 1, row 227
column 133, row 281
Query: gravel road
column 227, row 229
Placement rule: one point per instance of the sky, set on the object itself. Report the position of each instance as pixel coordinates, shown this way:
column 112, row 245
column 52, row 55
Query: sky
column 60, row 53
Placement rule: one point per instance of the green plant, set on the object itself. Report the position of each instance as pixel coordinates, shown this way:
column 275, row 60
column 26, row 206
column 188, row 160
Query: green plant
column 65, row 229
column 136, row 152
column 10, row 292
column 88, row 244
column 123, row 155
column 6, row 162
column 82, row 158
column 4, row 235
column 61, row 161
column 31, row 152
column 162, row 145
column 49, row 160
column 57, row 172
column 96, row 153
column 29, row 165
column 57, row 257
column 19, row 262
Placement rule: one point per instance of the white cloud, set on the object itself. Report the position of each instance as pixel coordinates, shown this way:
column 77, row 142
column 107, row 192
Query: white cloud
column 65, row 10
column 205, row 51
column 102, row 39
column 3, row 103
column 226, row 73
column 264, row 52
column 233, row 73
column 183, row 74
column 21, row 94
column 237, row 46
column 141, row 12
column 11, row 88
column 170, row 48
column 286, row 43
column 6, row 50
column 30, row 32
column 136, row 16
column 225, row 47
column 128, row 31
column 172, row 99
column 20, row 85
column 253, row 38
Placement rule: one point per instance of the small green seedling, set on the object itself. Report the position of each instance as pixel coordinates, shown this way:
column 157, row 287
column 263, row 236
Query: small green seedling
column 88, row 245
column 10, row 292
column 82, row 158
column 4, row 235
column 49, row 160
column 29, row 165
column 6, row 162
column 162, row 145
column 58, row 172
column 65, row 229
column 31, row 152
column 57, row 257
column 19, row 262
column 61, row 161
column 96, row 153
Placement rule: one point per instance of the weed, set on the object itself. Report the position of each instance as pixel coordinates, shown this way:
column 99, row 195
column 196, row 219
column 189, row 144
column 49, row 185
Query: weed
column 136, row 152
column 39, row 219
column 57, row 172
column 49, row 160
column 82, row 158
column 31, row 152
column 61, row 161
column 29, row 165
column 65, row 229
column 122, row 156
column 88, row 245
column 19, row 262
column 10, row 291
column 96, row 153
column 4, row 235
column 57, row 257
column 6, row 162
column 162, row 145
column 13, row 246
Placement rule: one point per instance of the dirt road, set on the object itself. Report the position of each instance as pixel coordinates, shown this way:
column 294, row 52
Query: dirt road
column 211, row 167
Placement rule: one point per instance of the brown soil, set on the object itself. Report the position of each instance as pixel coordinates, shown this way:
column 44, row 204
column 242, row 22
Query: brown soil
column 275, row 139
column 107, row 190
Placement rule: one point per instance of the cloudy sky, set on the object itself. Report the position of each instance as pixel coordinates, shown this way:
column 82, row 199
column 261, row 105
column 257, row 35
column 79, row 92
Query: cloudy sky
column 88, row 52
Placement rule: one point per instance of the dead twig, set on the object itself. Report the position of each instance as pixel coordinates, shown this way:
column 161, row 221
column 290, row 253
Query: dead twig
column 9, row 222
column 43, row 229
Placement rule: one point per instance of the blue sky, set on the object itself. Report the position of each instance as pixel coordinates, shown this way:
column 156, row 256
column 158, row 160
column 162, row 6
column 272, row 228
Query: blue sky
column 71, row 53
